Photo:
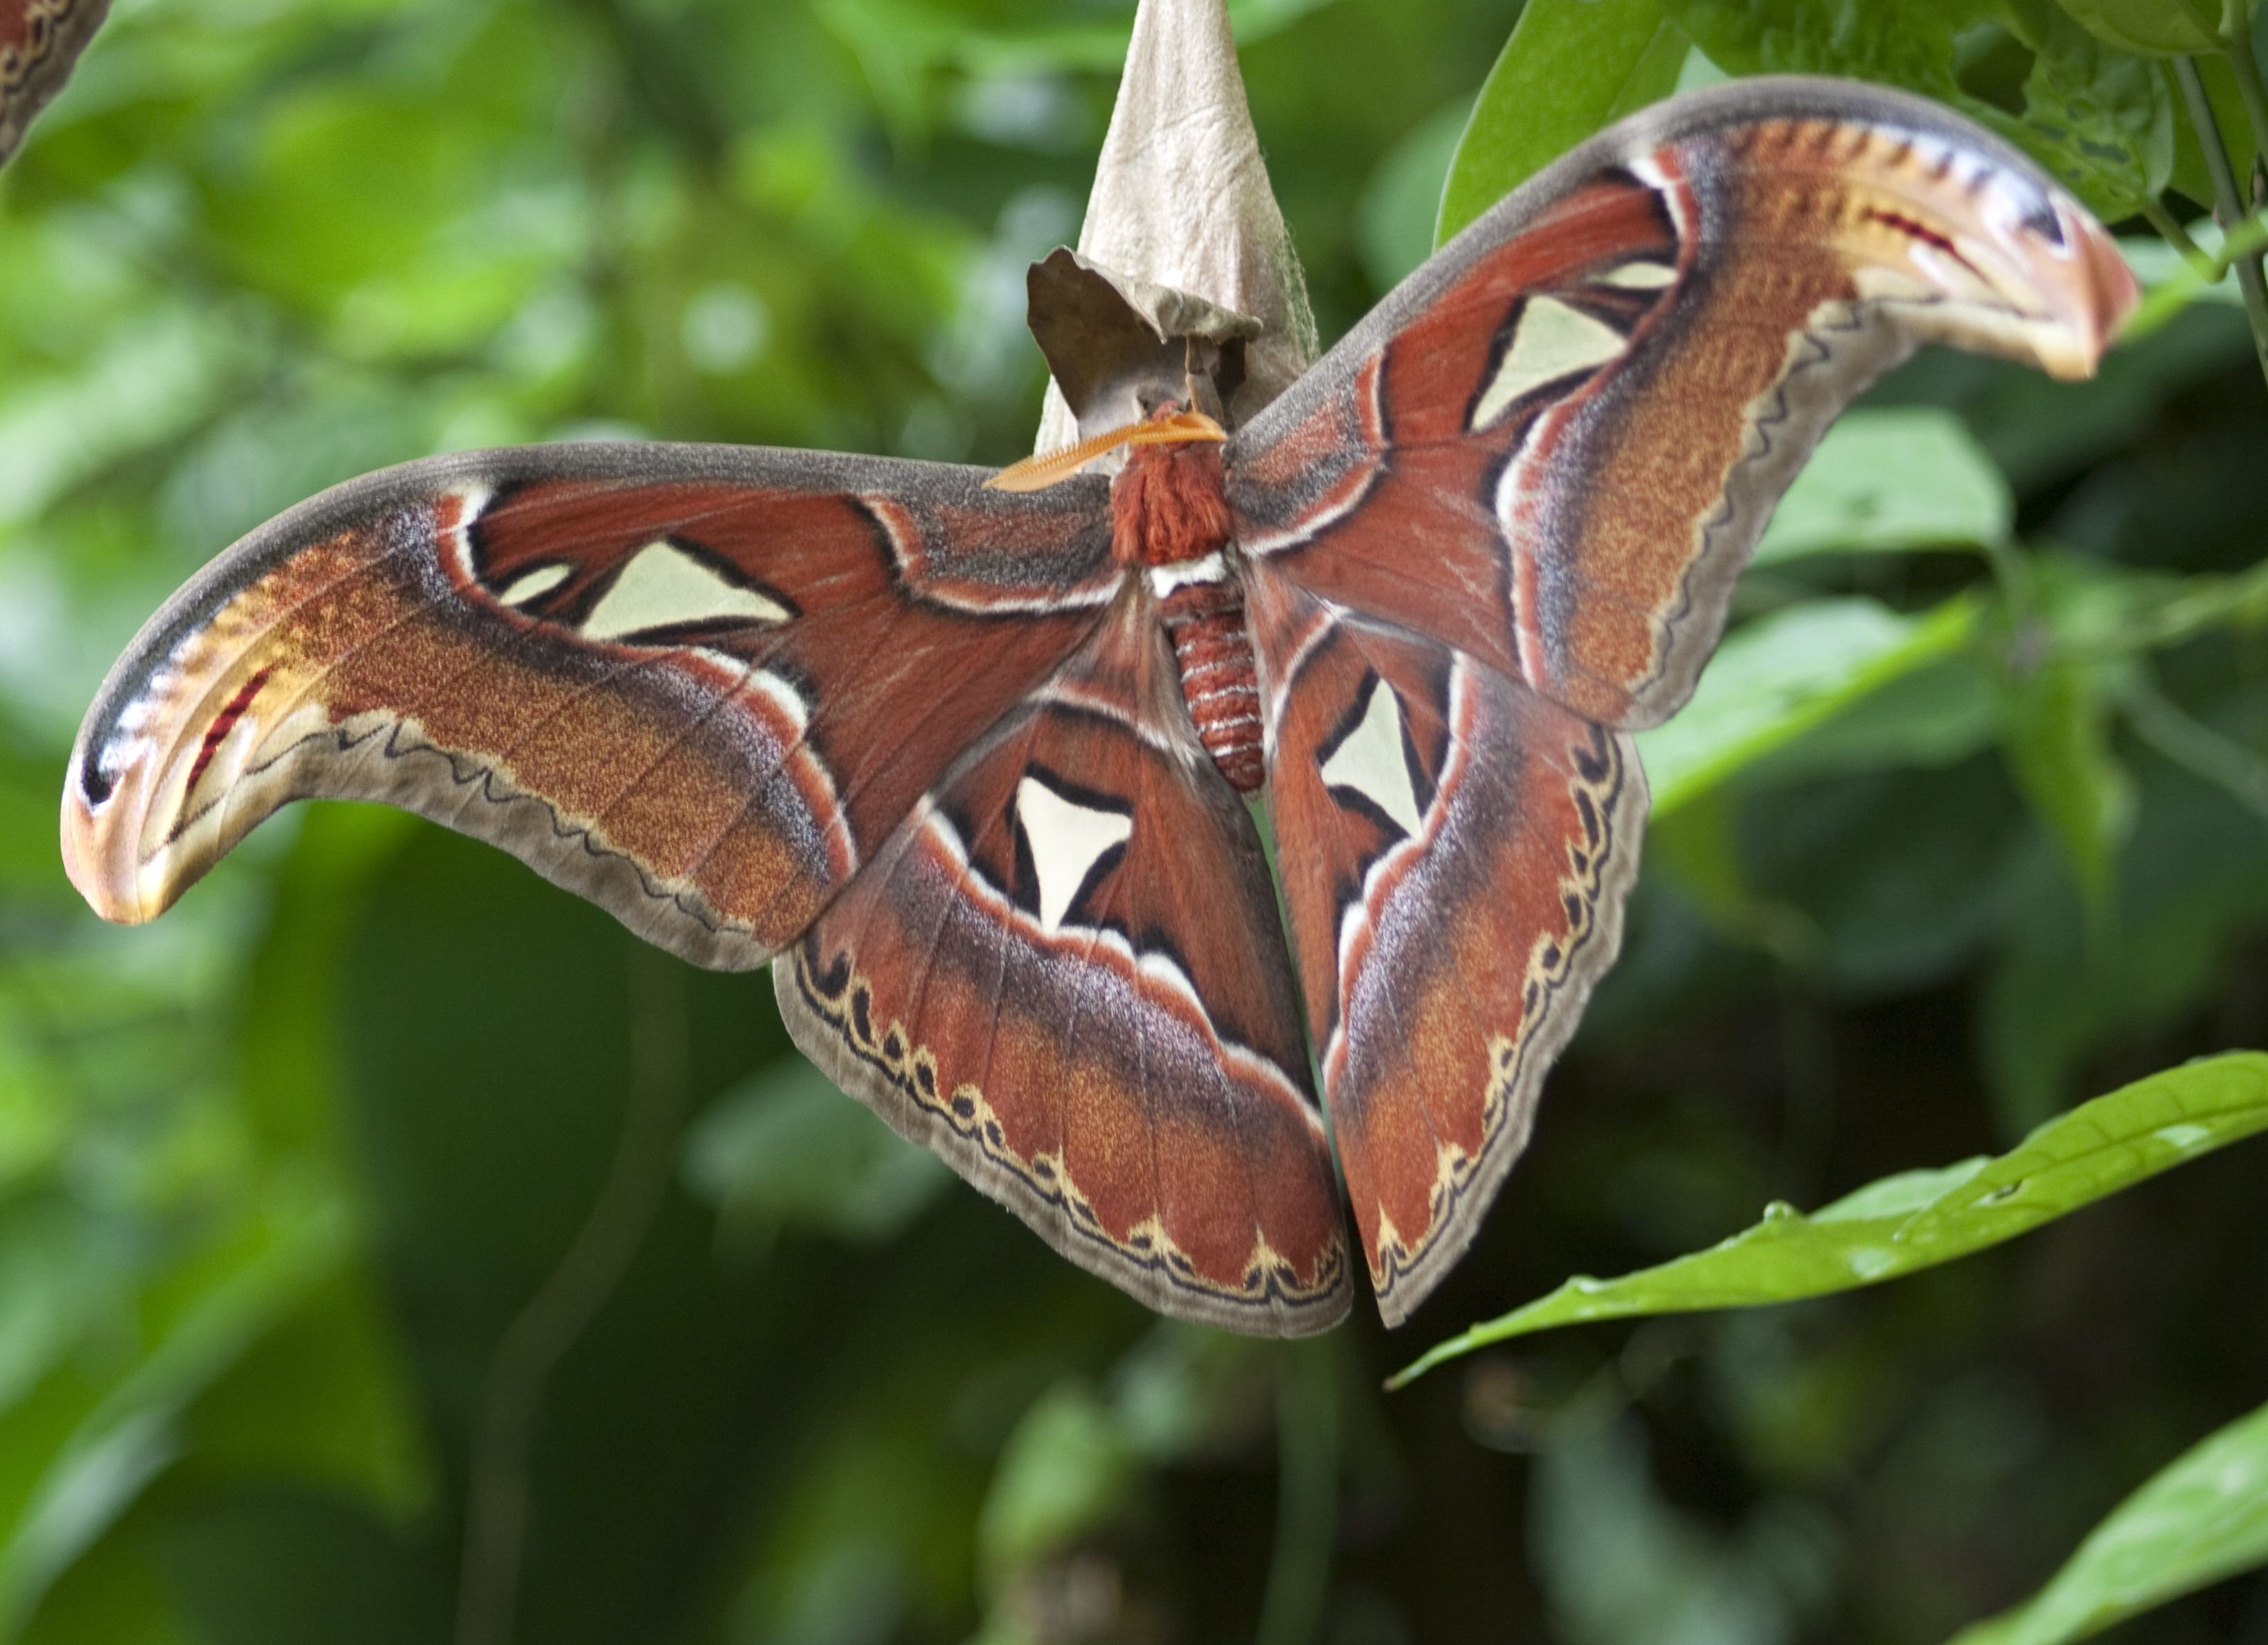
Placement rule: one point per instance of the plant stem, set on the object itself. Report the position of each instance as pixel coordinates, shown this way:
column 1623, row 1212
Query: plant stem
column 2228, row 202
column 2209, row 602
column 2195, row 746
column 2236, row 39
column 2171, row 230
column 497, row 1506
column 1307, row 1495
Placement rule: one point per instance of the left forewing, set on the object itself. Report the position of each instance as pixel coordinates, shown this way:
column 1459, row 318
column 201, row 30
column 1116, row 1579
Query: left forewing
column 698, row 685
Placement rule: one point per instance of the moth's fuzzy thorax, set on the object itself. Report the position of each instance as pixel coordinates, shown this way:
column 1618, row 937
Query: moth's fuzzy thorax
column 1167, row 506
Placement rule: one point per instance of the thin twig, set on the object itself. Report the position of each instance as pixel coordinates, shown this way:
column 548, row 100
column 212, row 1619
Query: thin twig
column 2229, row 202
column 1307, row 1499
column 2206, row 603
column 496, row 1511
column 2194, row 746
column 2173, row 295
column 2171, row 230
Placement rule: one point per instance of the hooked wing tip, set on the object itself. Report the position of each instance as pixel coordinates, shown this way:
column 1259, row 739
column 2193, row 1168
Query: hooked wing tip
column 1982, row 254
column 2101, row 296
column 103, row 816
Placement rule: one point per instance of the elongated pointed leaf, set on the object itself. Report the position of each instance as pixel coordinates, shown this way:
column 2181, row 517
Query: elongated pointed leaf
column 1887, row 479
column 2201, row 1518
column 1570, row 67
column 2100, row 119
column 1918, row 1219
column 1785, row 673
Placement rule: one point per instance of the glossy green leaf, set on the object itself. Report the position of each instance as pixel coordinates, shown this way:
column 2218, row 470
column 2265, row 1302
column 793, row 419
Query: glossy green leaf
column 1940, row 714
column 1919, row 1219
column 1570, row 67
column 2202, row 1517
column 1785, row 675
column 1911, row 477
column 2100, row 120
column 254, row 251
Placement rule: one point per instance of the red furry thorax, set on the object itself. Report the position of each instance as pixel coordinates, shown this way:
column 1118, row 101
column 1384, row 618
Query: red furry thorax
column 1167, row 506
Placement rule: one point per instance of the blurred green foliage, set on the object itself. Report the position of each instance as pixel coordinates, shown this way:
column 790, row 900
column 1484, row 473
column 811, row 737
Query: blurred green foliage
column 358, row 1280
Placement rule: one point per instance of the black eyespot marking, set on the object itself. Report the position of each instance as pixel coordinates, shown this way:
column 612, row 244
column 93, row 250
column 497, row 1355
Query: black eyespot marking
column 93, row 781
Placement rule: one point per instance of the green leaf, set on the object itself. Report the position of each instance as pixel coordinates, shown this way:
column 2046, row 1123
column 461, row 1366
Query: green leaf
column 154, row 382
column 1784, row 674
column 2202, row 1517
column 2155, row 27
column 787, row 1147
column 2170, row 283
column 2100, row 120
column 2229, row 114
column 1067, row 1473
column 1918, row 1219
column 1911, row 477
column 224, row 1301
column 2057, row 730
column 1402, row 201
column 1933, row 717
column 1570, row 67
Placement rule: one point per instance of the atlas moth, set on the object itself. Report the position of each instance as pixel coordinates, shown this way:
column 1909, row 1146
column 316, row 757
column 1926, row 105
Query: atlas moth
column 964, row 756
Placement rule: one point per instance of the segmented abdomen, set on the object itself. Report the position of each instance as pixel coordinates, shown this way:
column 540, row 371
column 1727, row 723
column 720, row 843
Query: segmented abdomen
column 1206, row 620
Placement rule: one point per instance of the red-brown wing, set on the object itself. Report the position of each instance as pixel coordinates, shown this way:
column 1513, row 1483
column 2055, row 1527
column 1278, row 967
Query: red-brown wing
column 1064, row 973
column 699, row 685
column 1556, row 444
column 1455, row 849
column 40, row 43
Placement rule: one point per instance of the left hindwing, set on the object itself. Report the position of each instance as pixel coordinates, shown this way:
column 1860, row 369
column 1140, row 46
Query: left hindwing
column 1454, row 850
column 1064, row 972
